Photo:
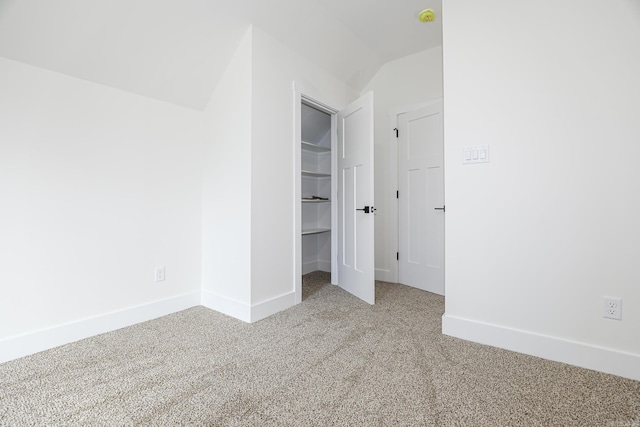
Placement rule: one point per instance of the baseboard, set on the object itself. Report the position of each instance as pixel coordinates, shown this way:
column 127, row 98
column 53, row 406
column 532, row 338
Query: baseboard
column 245, row 312
column 272, row 306
column 318, row 265
column 324, row 266
column 33, row 342
column 579, row 354
column 228, row 306
column 385, row 276
column 309, row 267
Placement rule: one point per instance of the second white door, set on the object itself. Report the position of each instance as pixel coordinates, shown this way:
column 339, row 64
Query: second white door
column 421, row 207
column 355, row 199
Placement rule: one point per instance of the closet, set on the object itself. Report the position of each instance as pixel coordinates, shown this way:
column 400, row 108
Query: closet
column 316, row 188
column 333, row 202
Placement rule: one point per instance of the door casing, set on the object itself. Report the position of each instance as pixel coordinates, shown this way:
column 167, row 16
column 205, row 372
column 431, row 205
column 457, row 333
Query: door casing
column 298, row 97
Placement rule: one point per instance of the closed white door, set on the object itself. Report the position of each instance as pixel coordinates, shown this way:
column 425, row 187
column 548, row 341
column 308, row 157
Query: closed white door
column 355, row 199
column 421, row 199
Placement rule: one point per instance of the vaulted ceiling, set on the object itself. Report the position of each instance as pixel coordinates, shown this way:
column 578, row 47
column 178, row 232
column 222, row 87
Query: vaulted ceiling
column 176, row 50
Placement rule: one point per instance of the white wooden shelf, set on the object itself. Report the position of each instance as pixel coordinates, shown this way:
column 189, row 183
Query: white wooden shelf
column 316, row 174
column 315, row 201
column 314, row 147
column 315, row 231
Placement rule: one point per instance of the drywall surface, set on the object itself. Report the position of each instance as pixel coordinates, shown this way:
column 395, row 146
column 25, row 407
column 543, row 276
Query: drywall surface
column 97, row 188
column 275, row 68
column 537, row 237
column 226, row 196
column 401, row 83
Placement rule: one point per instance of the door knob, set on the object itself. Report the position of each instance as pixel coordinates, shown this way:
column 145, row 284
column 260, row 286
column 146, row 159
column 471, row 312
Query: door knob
column 366, row 209
column 440, row 209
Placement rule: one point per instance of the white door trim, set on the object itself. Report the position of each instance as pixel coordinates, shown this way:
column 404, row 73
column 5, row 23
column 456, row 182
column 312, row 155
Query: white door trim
column 300, row 94
column 393, row 273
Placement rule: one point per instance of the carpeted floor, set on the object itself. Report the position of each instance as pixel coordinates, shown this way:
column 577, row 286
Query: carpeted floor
column 330, row 361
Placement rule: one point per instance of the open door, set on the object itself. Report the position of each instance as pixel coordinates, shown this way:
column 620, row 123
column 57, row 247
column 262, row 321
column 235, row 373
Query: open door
column 356, row 263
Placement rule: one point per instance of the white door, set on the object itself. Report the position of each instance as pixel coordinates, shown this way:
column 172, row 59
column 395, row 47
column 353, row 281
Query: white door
column 355, row 199
column 421, row 199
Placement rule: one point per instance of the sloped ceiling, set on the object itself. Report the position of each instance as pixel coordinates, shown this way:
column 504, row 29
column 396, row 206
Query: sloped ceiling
column 176, row 51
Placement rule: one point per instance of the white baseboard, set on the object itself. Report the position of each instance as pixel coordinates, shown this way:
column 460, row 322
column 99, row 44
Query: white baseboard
column 324, row 266
column 272, row 306
column 385, row 276
column 228, row 306
column 312, row 266
column 574, row 353
column 33, row 342
column 309, row 267
column 248, row 313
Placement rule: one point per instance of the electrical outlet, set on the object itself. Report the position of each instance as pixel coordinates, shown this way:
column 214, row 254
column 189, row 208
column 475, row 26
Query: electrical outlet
column 613, row 308
column 160, row 274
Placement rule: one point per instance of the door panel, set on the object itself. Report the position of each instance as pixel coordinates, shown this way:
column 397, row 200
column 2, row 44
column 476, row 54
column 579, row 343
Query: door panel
column 348, row 219
column 421, row 225
column 355, row 191
column 435, row 224
column 416, row 207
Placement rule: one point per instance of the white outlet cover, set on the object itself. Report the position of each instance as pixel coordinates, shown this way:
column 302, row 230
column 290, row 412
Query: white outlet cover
column 612, row 308
column 159, row 274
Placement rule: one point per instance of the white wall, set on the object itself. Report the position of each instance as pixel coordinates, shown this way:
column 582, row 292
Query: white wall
column 275, row 68
column 226, row 196
column 401, row 83
column 248, row 196
column 97, row 187
column 537, row 237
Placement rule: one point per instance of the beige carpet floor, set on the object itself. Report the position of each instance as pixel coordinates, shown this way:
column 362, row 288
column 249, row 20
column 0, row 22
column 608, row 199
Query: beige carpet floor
column 330, row 361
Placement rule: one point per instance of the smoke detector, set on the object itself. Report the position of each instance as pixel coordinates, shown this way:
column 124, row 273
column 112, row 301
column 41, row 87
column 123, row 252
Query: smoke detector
column 427, row 15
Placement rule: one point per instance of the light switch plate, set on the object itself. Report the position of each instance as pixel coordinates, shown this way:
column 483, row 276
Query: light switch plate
column 475, row 154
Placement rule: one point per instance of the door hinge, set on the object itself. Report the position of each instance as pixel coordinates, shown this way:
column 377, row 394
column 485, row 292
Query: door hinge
column 397, row 256
column 396, row 129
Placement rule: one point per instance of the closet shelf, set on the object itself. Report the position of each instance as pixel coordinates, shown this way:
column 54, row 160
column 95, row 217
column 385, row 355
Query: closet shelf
column 315, row 231
column 314, row 147
column 315, row 201
column 316, row 174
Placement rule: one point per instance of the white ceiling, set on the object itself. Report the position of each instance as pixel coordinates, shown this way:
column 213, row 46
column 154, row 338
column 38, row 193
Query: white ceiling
column 177, row 50
column 390, row 28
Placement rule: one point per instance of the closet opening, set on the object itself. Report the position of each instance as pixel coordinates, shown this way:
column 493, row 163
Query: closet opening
column 334, row 173
column 316, row 193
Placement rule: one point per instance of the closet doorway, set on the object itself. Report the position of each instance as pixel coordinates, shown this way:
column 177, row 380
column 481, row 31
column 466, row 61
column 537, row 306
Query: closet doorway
column 333, row 206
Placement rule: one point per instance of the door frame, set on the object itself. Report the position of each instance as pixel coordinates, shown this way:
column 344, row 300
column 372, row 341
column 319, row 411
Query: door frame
column 299, row 96
column 393, row 273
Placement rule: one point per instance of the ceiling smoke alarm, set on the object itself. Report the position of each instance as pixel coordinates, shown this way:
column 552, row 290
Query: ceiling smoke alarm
column 427, row 15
